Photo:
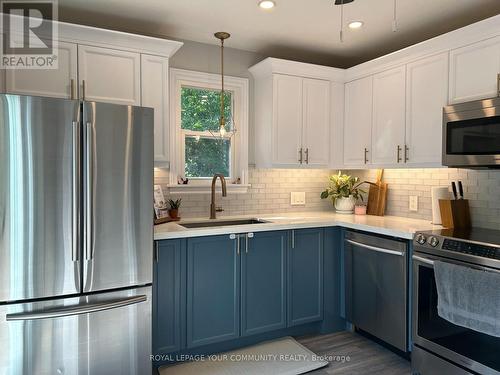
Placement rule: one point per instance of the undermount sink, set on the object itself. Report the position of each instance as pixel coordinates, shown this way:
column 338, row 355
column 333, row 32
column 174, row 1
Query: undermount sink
column 223, row 223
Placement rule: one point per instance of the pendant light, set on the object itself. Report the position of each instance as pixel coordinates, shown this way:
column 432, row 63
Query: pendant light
column 341, row 34
column 394, row 19
column 222, row 132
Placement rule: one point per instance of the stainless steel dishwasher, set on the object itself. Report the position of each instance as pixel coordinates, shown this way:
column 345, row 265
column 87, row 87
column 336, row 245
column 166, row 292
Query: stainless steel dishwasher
column 376, row 286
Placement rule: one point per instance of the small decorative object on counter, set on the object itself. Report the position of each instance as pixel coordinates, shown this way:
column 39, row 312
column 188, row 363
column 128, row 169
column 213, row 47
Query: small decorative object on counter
column 173, row 211
column 360, row 209
column 182, row 181
column 344, row 191
column 377, row 196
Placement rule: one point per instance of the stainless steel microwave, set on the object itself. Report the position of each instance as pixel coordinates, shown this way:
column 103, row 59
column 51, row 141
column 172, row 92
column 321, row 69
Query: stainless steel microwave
column 471, row 134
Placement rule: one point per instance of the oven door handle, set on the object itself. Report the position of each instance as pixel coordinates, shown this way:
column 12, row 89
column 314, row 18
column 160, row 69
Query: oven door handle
column 423, row 260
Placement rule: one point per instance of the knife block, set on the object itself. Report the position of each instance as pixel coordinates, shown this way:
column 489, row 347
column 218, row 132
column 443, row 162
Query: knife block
column 455, row 213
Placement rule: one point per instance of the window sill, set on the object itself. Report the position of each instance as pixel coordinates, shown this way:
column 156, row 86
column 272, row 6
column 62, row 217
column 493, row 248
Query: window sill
column 206, row 189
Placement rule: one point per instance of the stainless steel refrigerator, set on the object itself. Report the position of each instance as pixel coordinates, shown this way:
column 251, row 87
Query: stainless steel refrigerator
column 76, row 237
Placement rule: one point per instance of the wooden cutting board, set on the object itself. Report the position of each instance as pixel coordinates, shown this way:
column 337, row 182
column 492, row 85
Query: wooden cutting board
column 377, row 196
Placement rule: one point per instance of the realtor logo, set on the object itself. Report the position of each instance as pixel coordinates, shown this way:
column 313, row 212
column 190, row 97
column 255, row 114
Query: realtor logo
column 29, row 35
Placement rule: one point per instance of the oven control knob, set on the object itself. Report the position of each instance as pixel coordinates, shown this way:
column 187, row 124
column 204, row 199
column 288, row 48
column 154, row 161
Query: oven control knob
column 433, row 241
column 421, row 239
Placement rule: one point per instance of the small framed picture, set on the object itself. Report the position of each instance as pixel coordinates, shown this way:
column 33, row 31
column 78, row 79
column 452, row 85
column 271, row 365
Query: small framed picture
column 160, row 204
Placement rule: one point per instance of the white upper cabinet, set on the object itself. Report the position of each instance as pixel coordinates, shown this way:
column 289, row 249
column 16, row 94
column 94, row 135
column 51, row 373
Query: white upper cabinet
column 154, row 94
column 293, row 113
column 57, row 83
column 109, row 75
column 426, row 95
column 358, row 122
column 474, row 70
column 316, row 123
column 287, row 120
column 388, row 130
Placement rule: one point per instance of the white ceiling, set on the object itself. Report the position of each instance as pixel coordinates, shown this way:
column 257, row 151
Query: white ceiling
column 306, row 30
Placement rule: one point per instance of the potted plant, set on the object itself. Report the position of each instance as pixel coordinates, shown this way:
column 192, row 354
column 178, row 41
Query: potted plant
column 344, row 191
column 173, row 211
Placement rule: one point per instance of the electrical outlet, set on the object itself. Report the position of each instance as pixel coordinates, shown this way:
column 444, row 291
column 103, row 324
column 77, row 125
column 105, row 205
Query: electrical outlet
column 297, row 198
column 413, row 203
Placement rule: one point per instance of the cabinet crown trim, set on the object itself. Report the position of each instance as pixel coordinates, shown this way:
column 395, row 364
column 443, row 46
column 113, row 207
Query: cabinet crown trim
column 272, row 65
column 81, row 34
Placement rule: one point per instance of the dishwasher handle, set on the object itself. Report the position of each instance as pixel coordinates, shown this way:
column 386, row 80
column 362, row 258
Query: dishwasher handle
column 375, row 248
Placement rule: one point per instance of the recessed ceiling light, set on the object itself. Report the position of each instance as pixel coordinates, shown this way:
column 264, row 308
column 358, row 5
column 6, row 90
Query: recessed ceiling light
column 355, row 24
column 267, row 4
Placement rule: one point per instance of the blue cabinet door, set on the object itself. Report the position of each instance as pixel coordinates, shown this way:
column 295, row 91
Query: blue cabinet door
column 168, row 276
column 213, row 290
column 263, row 282
column 305, row 276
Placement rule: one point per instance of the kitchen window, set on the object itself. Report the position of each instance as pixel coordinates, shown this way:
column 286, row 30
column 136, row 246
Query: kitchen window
column 198, row 149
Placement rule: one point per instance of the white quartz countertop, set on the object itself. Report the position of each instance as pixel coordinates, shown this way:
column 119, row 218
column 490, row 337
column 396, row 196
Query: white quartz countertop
column 387, row 225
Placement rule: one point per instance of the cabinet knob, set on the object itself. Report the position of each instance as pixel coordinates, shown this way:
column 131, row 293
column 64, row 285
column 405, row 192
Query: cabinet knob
column 72, row 93
column 307, row 155
column 407, row 152
column 366, row 155
column 498, row 84
column 398, row 155
column 300, row 156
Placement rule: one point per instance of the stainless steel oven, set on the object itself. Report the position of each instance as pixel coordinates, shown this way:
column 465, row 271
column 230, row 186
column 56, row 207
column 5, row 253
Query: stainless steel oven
column 439, row 346
column 471, row 134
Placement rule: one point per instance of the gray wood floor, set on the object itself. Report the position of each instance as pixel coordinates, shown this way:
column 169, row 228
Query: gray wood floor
column 364, row 356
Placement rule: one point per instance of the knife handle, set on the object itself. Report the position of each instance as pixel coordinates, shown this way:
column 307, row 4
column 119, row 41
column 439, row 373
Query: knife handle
column 460, row 190
column 454, row 188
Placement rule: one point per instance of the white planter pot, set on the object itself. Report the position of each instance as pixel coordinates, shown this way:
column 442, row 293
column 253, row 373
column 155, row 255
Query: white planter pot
column 345, row 205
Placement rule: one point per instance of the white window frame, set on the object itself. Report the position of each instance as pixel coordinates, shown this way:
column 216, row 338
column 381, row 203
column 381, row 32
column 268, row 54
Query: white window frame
column 239, row 143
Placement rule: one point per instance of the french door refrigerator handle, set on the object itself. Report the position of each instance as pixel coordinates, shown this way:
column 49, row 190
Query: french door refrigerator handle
column 89, row 199
column 375, row 248
column 75, row 192
column 76, row 310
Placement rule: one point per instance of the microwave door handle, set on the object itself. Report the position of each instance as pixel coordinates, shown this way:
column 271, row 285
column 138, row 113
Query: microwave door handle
column 76, row 310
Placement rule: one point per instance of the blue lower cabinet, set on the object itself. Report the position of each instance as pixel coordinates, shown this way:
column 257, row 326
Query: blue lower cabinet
column 168, row 310
column 305, row 276
column 263, row 282
column 213, row 290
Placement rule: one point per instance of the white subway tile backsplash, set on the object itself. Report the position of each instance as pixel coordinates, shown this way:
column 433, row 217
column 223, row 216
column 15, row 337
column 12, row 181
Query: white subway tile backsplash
column 482, row 188
column 269, row 193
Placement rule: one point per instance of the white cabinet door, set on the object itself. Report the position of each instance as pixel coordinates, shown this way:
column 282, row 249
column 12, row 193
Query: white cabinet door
column 109, row 75
column 358, row 122
column 154, row 94
column 287, row 120
column 388, row 132
column 473, row 71
column 426, row 95
column 57, row 83
column 316, row 123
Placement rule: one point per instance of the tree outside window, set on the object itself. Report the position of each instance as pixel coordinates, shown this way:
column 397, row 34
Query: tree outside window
column 205, row 155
